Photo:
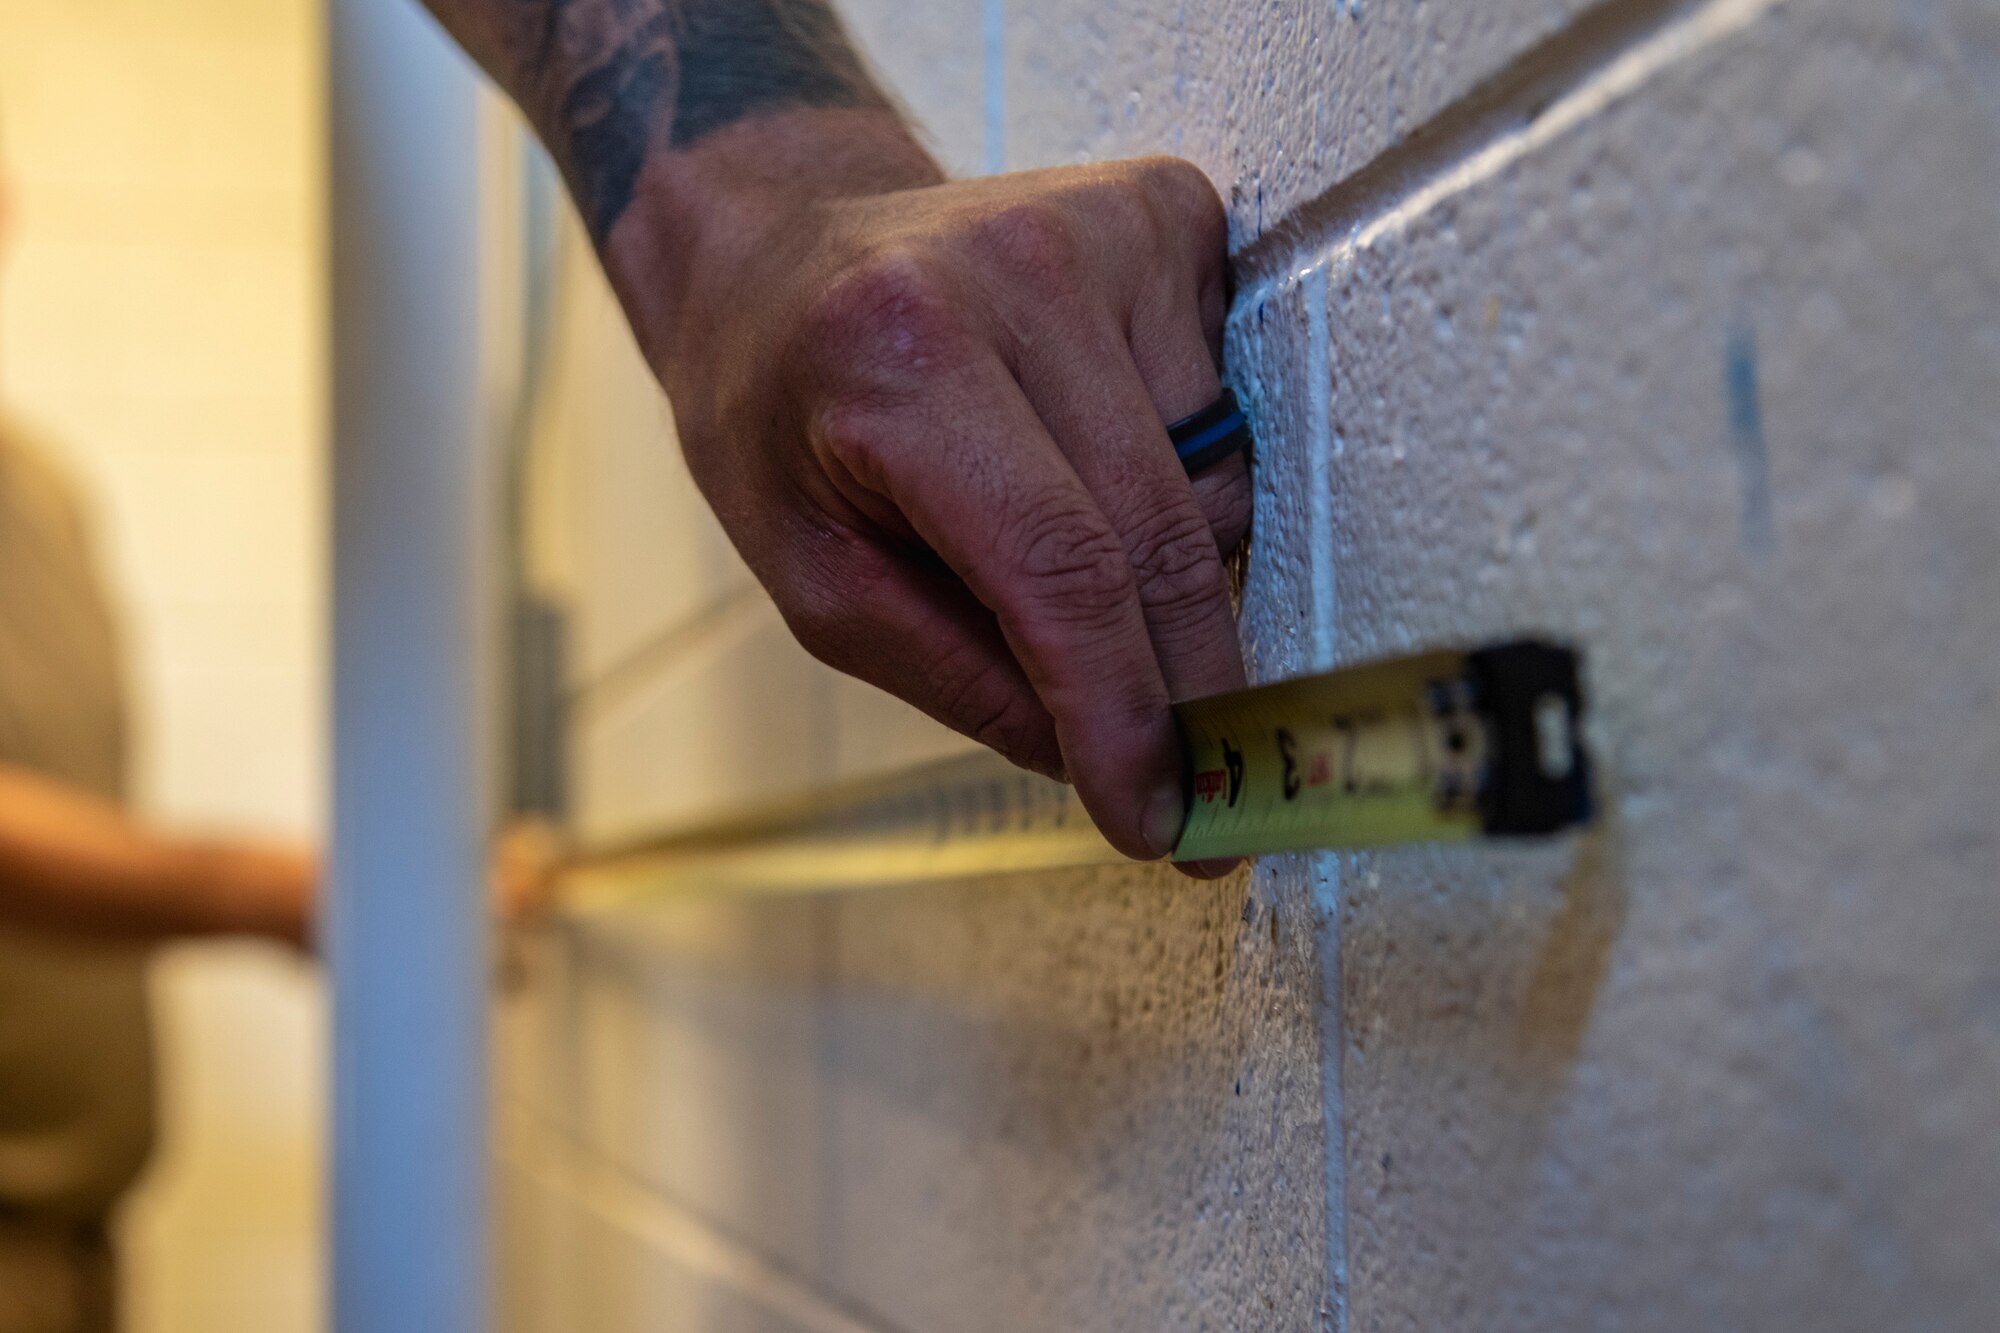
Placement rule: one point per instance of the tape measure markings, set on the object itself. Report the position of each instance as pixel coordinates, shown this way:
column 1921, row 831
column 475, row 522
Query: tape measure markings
column 1443, row 746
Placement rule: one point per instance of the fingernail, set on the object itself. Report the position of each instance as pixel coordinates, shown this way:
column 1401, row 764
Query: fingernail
column 1161, row 824
column 1210, row 869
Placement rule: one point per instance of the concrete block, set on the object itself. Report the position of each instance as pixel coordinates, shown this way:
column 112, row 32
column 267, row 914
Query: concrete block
column 933, row 59
column 677, row 1043
column 1697, row 371
column 538, row 1049
column 1276, row 99
column 640, row 554
column 738, row 714
column 1694, row 366
column 626, row 1284
column 1277, row 351
column 696, row 1027
column 537, row 1231
column 673, row 1048
column 876, row 732
column 584, row 1247
column 1087, row 1100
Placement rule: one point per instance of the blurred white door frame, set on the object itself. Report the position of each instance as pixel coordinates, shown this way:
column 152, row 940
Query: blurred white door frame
column 405, row 924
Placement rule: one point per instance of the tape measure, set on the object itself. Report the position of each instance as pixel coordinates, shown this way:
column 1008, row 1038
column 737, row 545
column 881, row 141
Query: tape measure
column 1439, row 747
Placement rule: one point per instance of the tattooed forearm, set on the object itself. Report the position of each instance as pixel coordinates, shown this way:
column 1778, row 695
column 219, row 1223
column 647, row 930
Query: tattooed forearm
column 605, row 118
column 610, row 81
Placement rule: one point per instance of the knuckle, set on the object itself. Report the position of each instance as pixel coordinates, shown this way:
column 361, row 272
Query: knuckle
column 1035, row 242
column 1190, row 198
column 1073, row 566
column 824, row 597
column 1125, row 203
column 1178, row 566
column 987, row 705
column 852, row 431
column 887, row 314
column 1183, row 183
column 811, row 621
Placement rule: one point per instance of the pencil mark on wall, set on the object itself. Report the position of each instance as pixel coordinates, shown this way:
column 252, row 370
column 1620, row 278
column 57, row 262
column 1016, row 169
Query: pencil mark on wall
column 993, row 17
column 1746, row 437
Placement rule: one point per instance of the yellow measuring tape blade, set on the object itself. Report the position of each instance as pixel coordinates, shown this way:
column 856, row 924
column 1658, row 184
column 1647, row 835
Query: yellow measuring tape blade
column 1442, row 746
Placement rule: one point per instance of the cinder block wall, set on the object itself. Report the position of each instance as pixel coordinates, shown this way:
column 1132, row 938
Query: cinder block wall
column 1673, row 328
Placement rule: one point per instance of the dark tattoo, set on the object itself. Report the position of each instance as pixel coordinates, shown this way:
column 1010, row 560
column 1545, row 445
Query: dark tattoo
column 607, row 120
column 610, row 80
column 743, row 56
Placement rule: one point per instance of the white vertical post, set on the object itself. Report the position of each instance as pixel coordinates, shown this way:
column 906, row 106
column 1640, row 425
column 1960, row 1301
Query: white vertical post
column 405, row 921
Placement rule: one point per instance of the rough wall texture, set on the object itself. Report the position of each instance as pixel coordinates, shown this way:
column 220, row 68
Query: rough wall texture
column 1707, row 381
column 1673, row 327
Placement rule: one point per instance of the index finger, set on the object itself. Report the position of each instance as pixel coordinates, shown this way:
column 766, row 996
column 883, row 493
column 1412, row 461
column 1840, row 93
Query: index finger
column 982, row 483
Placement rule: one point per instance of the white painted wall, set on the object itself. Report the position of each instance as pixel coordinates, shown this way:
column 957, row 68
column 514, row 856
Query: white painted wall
column 1669, row 326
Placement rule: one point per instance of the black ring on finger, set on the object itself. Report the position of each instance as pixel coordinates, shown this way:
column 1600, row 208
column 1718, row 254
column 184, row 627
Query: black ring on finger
column 1211, row 435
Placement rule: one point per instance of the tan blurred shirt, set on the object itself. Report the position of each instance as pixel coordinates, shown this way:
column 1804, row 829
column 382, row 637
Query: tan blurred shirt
column 76, row 1070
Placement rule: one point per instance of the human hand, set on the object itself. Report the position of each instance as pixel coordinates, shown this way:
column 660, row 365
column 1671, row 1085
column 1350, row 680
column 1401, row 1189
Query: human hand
column 521, row 886
column 527, row 857
column 928, row 414
column 932, row 420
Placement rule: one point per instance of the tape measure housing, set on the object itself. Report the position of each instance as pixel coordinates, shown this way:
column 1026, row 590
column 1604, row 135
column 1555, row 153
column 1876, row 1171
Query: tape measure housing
column 1438, row 747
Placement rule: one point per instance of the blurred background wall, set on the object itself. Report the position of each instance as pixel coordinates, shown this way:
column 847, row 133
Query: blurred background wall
column 161, row 319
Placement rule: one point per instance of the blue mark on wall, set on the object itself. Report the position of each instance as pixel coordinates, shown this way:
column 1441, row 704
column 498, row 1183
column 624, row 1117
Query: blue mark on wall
column 993, row 37
column 1746, row 437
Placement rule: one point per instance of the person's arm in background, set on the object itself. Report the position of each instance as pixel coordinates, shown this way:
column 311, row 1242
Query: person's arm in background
column 79, row 866
column 74, row 864
column 930, row 415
